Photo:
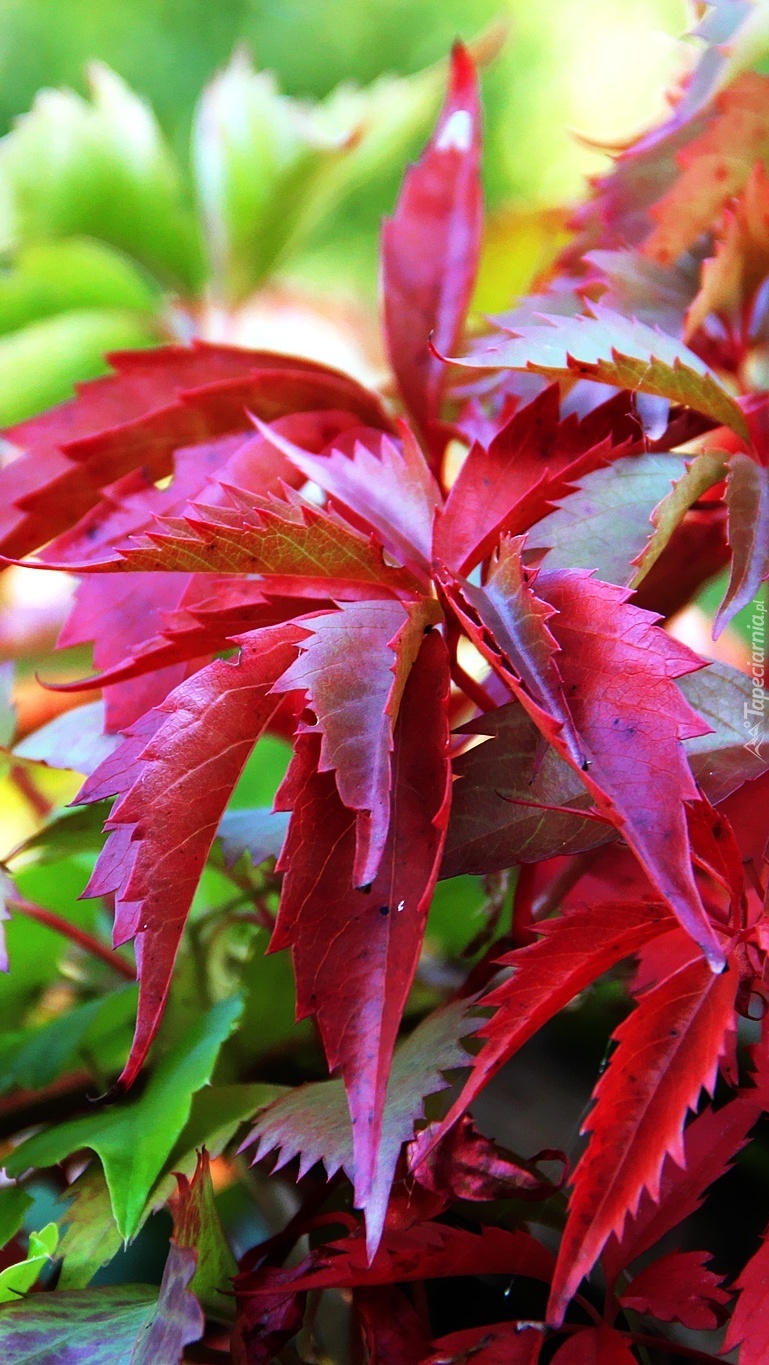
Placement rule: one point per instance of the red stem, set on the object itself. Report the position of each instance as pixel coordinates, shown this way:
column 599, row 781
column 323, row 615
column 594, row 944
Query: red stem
column 79, row 936
column 523, row 905
column 35, row 798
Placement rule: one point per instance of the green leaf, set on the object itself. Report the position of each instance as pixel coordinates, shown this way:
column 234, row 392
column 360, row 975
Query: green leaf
column 14, row 1205
column 268, row 168
column 66, row 833
column 197, row 1225
column 610, row 349
column 91, row 1238
column 99, row 169
column 269, row 1014
column 456, row 914
column 40, row 363
column 216, row 1114
column 134, row 1137
column 701, row 474
column 57, row 277
column 262, row 775
column 258, row 156
column 35, row 952
column 605, row 524
column 17, row 1279
column 35, row 1057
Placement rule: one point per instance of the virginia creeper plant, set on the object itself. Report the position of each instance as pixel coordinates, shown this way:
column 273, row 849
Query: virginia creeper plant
column 450, row 598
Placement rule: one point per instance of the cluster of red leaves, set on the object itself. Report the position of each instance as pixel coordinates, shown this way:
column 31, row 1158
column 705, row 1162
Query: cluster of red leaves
column 612, row 764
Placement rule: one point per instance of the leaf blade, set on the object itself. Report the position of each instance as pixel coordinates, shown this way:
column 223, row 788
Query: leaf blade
column 668, row 1051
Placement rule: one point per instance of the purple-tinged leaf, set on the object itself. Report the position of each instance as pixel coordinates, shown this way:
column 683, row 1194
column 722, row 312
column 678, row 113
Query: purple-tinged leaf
column 510, row 799
column 619, row 670
column 313, row 1121
column 510, row 625
column 353, row 666
column 107, row 1326
column 386, row 483
column 606, row 347
column 355, row 952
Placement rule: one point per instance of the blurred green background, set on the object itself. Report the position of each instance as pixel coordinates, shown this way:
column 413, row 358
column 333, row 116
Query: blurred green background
column 598, row 68
column 120, row 231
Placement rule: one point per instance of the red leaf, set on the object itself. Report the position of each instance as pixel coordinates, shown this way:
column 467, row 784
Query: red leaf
column 158, row 401
column 512, row 803
column 392, row 1329
column 212, row 613
column 194, row 747
column 143, row 382
column 679, row 1288
column 300, row 548
column 203, row 472
column 711, row 1143
column 430, row 246
column 117, row 616
column 749, row 1327
column 713, row 167
column 506, row 1343
column 429, row 1251
column 745, row 810
column 747, row 497
column 355, row 952
column 467, row 1165
column 510, row 624
column 353, row 667
column 387, row 484
column 668, row 1051
column 595, row 1346
column 198, row 628
column 264, row 1326
column 572, row 952
column 505, row 487
column 618, row 670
